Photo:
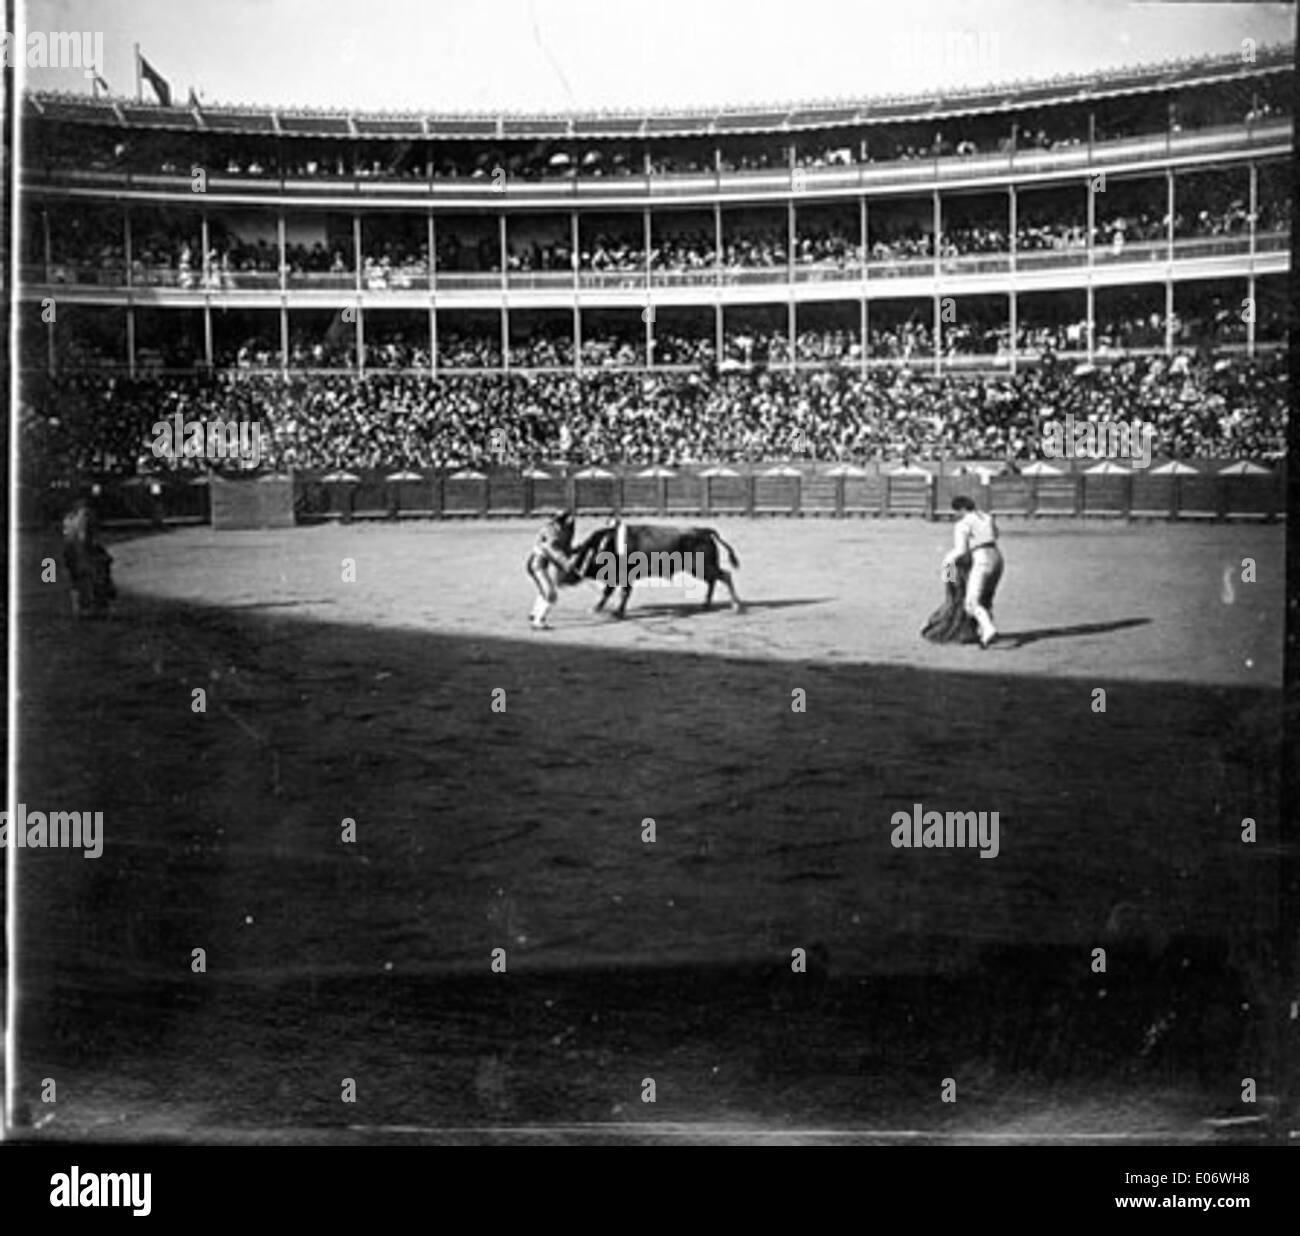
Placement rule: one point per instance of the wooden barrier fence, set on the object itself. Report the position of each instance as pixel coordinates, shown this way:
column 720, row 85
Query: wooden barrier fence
column 711, row 493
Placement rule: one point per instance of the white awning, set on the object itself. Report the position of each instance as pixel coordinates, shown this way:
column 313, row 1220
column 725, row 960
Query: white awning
column 1244, row 468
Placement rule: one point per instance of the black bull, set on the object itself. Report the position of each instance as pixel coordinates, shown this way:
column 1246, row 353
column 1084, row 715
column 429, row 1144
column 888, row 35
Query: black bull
column 619, row 555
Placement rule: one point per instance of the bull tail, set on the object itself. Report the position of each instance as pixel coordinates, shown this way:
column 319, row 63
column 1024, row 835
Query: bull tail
column 731, row 553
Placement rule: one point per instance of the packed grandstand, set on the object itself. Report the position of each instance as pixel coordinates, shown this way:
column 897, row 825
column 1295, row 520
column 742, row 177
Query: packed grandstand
column 1199, row 407
column 859, row 280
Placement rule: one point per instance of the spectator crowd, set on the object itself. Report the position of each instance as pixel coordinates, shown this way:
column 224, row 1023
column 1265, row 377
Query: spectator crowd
column 1199, row 406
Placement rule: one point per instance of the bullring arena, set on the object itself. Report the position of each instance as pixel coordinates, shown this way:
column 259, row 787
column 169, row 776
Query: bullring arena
column 372, row 700
column 381, row 862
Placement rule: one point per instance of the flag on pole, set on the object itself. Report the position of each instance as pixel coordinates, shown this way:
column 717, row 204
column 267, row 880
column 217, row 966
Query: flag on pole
column 97, row 84
column 155, row 79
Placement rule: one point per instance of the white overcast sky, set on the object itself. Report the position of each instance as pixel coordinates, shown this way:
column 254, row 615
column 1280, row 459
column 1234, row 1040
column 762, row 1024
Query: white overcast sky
column 558, row 54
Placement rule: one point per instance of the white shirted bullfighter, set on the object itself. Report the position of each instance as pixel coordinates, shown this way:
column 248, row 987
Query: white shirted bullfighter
column 975, row 534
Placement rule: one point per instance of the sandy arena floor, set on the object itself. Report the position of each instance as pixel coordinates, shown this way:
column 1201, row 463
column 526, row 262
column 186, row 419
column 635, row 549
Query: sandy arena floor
column 479, row 829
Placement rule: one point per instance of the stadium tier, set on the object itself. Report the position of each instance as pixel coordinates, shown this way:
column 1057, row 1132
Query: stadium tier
column 1139, row 218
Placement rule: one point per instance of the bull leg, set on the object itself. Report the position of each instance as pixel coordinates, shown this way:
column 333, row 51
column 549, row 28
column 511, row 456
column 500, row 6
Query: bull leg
column 546, row 601
column 604, row 596
column 539, row 602
column 622, row 605
column 736, row 602
column 711, row 572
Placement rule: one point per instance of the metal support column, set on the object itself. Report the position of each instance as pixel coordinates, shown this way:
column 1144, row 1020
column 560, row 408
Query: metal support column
column 127, row 248
column 283, row 240
column 1091, row 310
column 938, row 281
column 1013, row 296
column 647, row 310
column 865, row 259
column 1252, row 299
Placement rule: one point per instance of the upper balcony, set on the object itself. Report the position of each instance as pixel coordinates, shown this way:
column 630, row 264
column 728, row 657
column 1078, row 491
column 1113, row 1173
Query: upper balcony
column 1260, row 253
column 1271, row 137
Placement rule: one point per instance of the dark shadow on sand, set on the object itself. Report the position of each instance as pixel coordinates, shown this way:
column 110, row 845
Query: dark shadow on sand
column 229, row 837
column 1018, row 639
column 692, row 609
column 304, row 604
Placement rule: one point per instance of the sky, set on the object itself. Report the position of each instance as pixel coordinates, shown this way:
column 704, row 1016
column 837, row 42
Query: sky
column 491, row 55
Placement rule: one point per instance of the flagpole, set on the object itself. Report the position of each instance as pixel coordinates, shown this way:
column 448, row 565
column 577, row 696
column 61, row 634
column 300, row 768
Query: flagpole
column 137, row 73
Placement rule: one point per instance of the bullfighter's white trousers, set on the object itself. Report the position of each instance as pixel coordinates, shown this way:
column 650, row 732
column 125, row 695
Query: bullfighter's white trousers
column 985, row 573
column 541, row 573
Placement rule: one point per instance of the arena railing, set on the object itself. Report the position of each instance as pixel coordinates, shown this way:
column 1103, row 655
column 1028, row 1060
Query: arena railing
column 1037, row 161
column 1135, row 341
column 404, row 279
column 322, row 280
column 825, row 272
column 73, row 273
column 1185, row 248
column 975, row 263
column 469, row 281
column 230, row 280
column 811, row 364
column 1272, row 242
column 690, row 277
column 538, row 279
column 186, row 280
column 1210, row 246
column 976, row 166
column 976, row 359
column 1131, row 251
column 1037, row 259
column 893, row 268
column 631, row 278
column 634, row 188
column 735, row 275
column 780, row 488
